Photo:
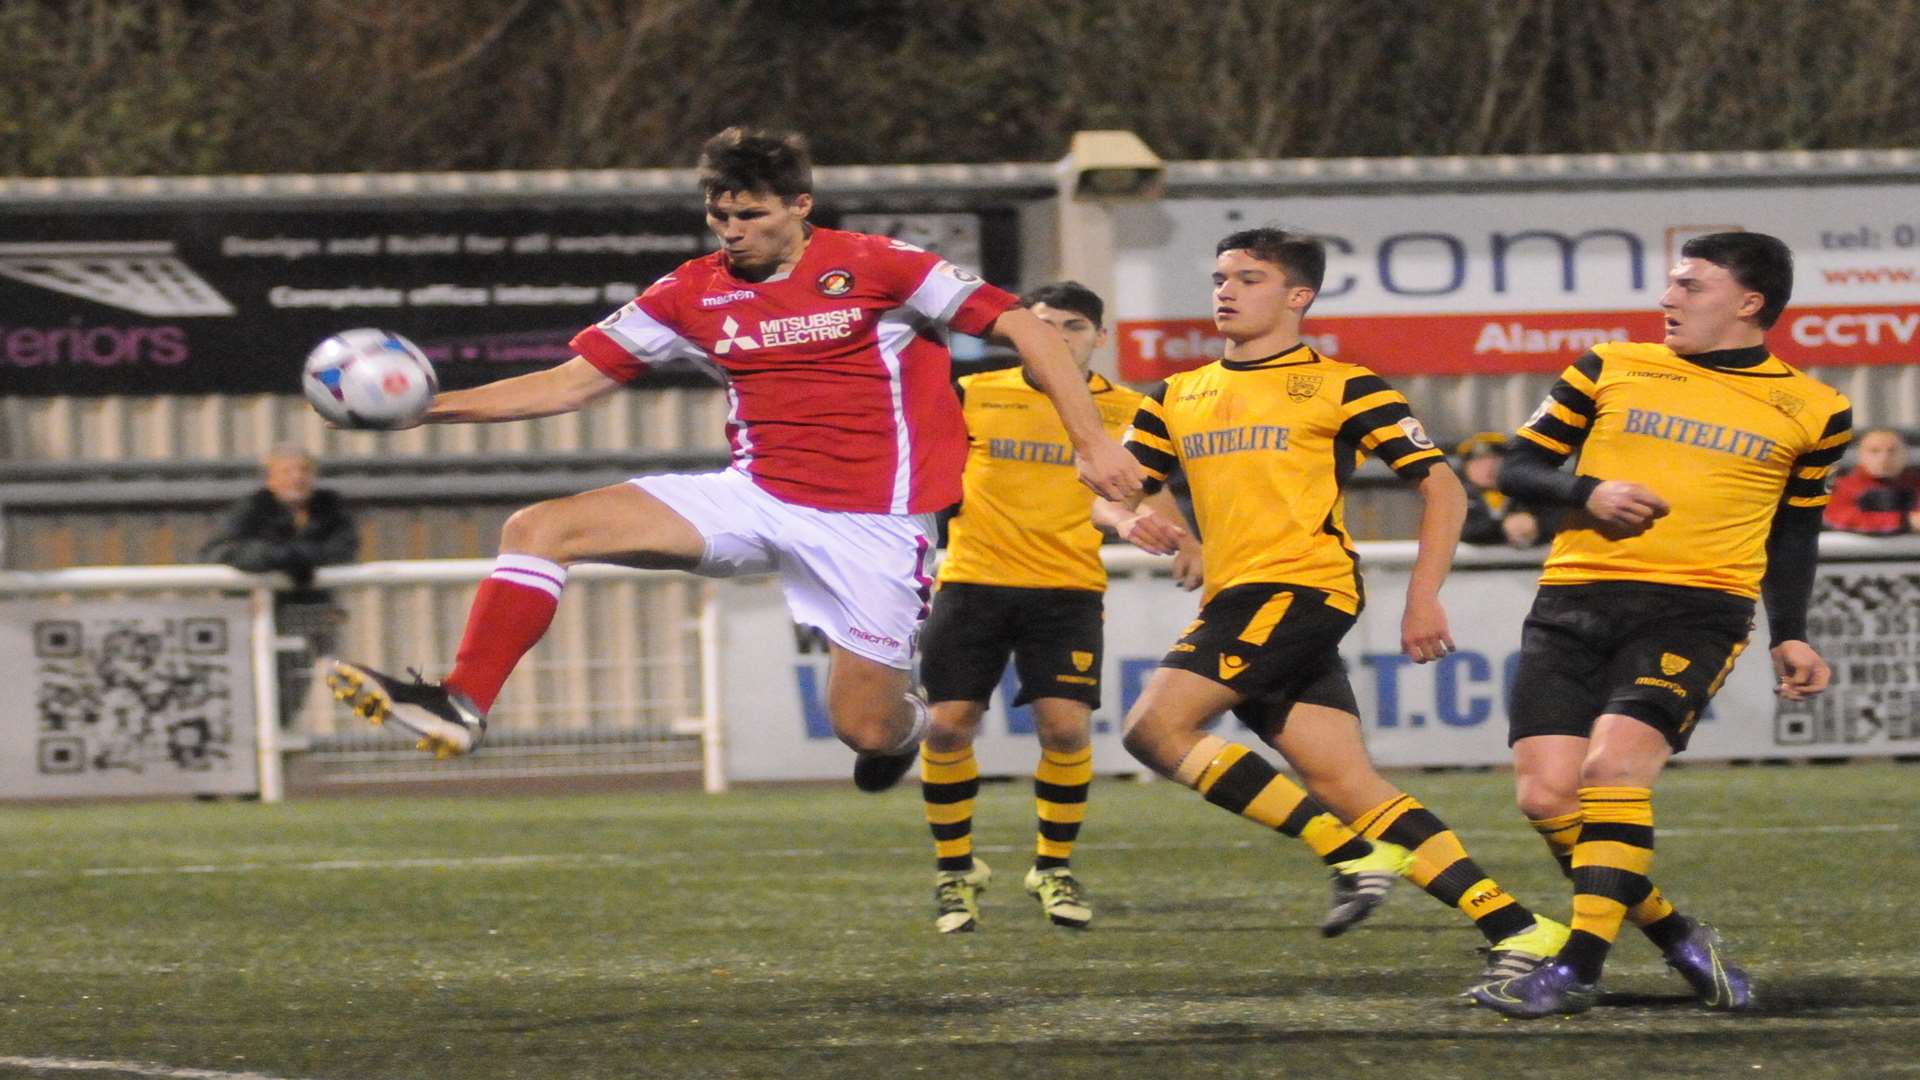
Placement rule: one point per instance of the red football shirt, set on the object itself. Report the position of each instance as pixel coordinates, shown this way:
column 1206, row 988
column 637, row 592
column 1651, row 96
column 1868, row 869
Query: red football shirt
column 837, row 372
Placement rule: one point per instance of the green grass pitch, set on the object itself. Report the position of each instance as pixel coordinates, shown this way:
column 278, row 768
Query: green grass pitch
column 788, row 933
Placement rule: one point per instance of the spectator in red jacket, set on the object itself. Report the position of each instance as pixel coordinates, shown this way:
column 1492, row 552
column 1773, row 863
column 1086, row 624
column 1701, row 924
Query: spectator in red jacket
column 1881, row 496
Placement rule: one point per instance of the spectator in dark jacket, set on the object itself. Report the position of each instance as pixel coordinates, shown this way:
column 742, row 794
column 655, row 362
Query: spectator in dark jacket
column 1493, row 517
column 1881, row 496
column 293, row 527
column 287, row 525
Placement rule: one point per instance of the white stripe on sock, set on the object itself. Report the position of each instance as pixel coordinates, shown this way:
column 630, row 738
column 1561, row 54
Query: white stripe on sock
column 531, row 581
column 921, row 721
column 535, row 573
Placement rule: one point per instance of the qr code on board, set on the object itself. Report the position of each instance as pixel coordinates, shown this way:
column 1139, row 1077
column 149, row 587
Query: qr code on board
column 141, row 695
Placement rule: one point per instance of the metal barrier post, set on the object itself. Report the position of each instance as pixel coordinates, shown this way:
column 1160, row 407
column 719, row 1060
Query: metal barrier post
column 266, row 695
column 713, row 755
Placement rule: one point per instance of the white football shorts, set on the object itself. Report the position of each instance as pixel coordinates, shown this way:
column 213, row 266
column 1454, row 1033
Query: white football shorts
column 864, row 580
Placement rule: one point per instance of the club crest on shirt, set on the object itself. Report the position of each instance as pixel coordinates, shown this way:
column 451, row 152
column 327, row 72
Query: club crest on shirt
column 1081, row 660
column 1302, row 387
column 1786, row 402
column 1673, row 665
column 836, row 282
column 1416, row 434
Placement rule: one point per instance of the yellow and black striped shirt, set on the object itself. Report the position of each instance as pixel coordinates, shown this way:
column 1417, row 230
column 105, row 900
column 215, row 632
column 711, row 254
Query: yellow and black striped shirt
column 1725, row 446
column 1025, row 519
column 1267, row 446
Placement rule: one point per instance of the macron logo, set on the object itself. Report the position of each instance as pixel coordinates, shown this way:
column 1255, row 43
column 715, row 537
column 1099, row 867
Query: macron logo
column 723, row 299
column 733, row 338
column 872, row 638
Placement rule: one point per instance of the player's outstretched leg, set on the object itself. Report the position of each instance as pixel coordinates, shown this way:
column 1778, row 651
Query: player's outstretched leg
column 446, row 722
column 515, row 604
column 511, row 611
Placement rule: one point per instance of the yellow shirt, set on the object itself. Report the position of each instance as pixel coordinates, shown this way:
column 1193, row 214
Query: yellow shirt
column 1025, row 519
column 1267, row 446
column 1725, row 446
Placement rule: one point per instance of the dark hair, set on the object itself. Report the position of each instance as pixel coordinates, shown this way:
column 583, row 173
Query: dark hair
column 1757, row 261
column 1068, row 296
column 746, row 160
column 1302, row 257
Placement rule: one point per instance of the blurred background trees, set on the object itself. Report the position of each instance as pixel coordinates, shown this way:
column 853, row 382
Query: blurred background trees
column 121, row 87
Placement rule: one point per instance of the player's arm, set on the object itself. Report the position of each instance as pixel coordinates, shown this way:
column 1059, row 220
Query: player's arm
column 1793, row 552
column 1558, row 428
column 1189, row 570
column 616, row 350
column 1424, row 633
column 559, row 389
column 1375, row 418
column 1147, row 440
column 1104, row 466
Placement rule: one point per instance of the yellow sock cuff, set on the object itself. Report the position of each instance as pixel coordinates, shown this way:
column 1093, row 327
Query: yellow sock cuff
column 1197, row 759
column 1227, row 758
column 1065, row 770
column 1623, row 805
column 1547, row 826
column 954, row 768
column 1374, row 823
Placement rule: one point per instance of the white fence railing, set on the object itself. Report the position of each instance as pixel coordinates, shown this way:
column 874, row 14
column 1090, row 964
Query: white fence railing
column 615, row 687
column 629, row 679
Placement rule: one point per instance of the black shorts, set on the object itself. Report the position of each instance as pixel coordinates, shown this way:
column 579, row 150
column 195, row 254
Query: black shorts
column 1277, row 645
column 1053, row 634
column 1657, row 653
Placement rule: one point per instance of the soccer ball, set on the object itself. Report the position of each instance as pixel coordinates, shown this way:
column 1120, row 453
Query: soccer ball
column 369, row 379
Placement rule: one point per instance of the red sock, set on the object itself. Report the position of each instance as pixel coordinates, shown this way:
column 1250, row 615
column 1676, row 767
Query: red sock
column 510, row 614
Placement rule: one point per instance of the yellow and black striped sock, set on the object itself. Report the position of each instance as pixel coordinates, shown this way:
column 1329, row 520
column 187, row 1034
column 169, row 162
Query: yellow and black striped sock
column 1060, row 785
column 1560, row 833
column 1234, row 778
column 1441, row 866
column 1610, row 865
column 1653, row 914
column 949, row 782
column 1657, row 918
